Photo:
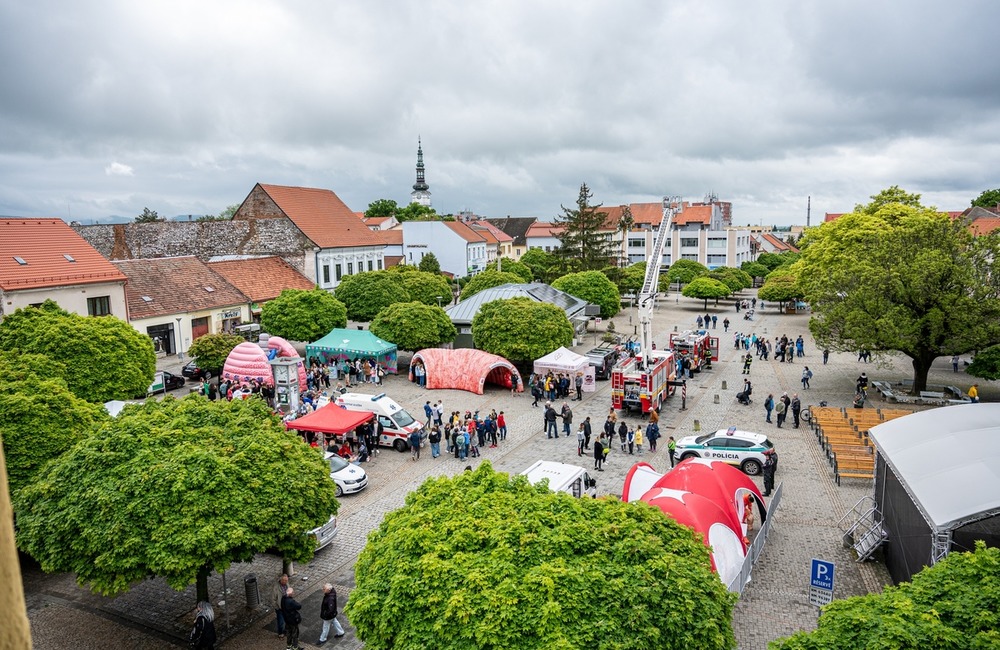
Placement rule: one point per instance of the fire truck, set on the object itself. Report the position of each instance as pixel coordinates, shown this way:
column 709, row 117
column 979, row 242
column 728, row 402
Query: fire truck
column 698, row 346
column 644, row 379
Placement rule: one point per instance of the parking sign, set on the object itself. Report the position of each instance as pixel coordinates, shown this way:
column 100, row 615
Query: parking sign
column 821, row 583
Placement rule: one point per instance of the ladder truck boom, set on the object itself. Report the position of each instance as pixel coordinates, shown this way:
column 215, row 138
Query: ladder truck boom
column 650, row 285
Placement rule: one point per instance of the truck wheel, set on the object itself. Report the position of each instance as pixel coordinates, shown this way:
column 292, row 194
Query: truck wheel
column 400, row 445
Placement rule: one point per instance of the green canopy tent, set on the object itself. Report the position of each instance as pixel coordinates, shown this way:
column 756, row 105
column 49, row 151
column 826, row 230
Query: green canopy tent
column 342, row 344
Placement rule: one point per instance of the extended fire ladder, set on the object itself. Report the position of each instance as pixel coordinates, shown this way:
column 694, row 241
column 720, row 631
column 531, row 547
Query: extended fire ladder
column 650, row 284
column 863, row 528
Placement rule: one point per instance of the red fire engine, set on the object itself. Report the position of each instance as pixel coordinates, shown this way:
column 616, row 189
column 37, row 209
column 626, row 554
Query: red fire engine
column 697, row 346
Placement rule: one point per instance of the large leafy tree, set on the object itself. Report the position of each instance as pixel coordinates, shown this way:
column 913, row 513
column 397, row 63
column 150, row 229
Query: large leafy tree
column 212, row 350
column 544, row 265
column 427, row 287
column 706, row 288
column 952, row 605
column 735, row 279
column 585, row 243
column 755, row 269
column 413, row 326
column 104, row 358
column 381, row 208
column 685, row 271
column 488, row 280
column 781, row 286
column 508, row 265
column 302, row 315
column 429, row 263
column 595, row 288
column 177, row 489
column 904, row 278
column 417, row 212
column 986, row 365
column 368, row 293
column 521, row 329
column 148, row 216
column 988, row 199
column 41, row 417
column 631, row 278
column 519, row 567
column 775, row 260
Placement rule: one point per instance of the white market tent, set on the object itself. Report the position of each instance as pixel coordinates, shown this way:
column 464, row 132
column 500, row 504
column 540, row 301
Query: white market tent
column 937, row 484
column 566, row 361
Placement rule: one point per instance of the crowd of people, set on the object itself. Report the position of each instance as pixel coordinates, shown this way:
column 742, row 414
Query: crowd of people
column 554, row 386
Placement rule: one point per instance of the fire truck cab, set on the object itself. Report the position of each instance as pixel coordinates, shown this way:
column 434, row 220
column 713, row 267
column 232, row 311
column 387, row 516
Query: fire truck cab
column 697, row 346
column 636, row 386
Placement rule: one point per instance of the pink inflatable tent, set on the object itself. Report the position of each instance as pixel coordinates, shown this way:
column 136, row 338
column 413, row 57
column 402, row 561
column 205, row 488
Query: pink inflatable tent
column 465, row 369
column 247, row 362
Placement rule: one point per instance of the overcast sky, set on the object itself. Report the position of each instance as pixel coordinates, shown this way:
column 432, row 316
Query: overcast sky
column 182, row 106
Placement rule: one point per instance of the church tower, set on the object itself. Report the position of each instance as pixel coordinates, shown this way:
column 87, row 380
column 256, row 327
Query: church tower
column 420, row 193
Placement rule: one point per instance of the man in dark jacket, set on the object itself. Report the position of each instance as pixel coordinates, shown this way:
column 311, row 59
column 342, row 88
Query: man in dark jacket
column 796, row 409
column 587, row 431
column 328, row 612
column 598, row 455
column 550, row 421
column 290, row 608
column 770, row 465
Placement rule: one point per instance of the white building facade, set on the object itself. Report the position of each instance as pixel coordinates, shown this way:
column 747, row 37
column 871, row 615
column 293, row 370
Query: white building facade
column 459, row 249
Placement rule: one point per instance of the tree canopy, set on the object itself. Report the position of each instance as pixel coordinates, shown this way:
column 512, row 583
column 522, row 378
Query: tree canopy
column 986, row 364
column 488, row 280
column 508, row 265
column 901, row 277
column 685, row 271
column 594, row 287
column 41, row 417
column 631, row 278
column 521, row 329
column 582, row 234
column 427, row 287
column 303, row 315
column 544, row 265
column 429, row 263
column 519, row 567
column 381, row 208
column 755, row 269
column 781, row 285
column 413, row 326
column 104, row 357
column 706, row 288
column 988, row 199
column 212, row 350
column 735, row 279
column 148, row 216
column 175, row 488
column 775, row 260
column 952, row 605
column 366, row 294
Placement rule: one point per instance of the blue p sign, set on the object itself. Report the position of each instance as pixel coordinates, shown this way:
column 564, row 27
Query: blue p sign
column 821, row 575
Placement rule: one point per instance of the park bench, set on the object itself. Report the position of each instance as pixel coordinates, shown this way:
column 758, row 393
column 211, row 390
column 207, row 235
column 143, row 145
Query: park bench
column 845, row 450
column 842, row 438
column 853, row 466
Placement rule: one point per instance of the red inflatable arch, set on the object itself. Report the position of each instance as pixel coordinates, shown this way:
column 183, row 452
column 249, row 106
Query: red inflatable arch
column 465, row 369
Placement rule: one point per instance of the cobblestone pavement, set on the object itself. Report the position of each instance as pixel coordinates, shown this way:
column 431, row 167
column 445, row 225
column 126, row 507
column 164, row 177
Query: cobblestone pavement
column 775, row 603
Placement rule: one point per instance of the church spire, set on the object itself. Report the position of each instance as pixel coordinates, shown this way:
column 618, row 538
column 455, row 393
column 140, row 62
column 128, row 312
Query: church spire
column 420, row 193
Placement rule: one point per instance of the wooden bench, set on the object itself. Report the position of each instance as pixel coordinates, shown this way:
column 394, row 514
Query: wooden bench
column 851, row 466
column 842, row 438
column 847, row 450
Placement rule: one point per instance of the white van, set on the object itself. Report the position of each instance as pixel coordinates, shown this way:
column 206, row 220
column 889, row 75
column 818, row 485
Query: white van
column 562, row 477
column 397, row 424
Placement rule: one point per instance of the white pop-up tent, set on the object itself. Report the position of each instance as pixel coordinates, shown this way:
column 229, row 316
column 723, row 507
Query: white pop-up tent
column 568, row 362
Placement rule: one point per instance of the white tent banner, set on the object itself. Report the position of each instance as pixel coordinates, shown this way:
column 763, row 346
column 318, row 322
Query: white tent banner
column 568, row 362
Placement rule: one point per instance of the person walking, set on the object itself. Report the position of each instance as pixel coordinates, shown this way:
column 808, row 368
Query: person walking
column 672, row 450
column 796, row 409
column 807, row 374
column 579, row 440
column 768, row 407
column 974, row 393
column 280, row 588
column 536, row 392
column 826, row 355
column 747, row 360
column 414, row 440
column 725, row 325
column 435, row 439
column 715, row 320
column 587, row 432
column 954, row 363
column 566, row 413
column 514, row 380
column 623, row 435
column 203, row 633
column 770, row 465
column 578, row 382
column 328, row 614
column 502, row 426
column 780, row 409
column 290, row 608
column 550, row 421
column 599, row 454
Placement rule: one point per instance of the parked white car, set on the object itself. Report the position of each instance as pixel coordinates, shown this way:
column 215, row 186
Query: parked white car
column 349, row 477
column 741, row 448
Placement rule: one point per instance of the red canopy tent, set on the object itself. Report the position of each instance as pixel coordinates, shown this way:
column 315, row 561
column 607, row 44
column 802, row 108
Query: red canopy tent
column 330, row 419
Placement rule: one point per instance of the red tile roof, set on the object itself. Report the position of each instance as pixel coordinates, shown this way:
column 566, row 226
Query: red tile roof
column 262, row 278
column 779, row 244
column 392, row 260
column 694, row 214
column 44, row 245
column 498, row 234
column 463, row 231
column 647, row 213
column 543, row 229
column 391, row 237
column 175, row 285
column 321, row 216
column 984, row 225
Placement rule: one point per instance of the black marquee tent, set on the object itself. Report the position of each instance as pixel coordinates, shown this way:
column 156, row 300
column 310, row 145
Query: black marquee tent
column 937, row 484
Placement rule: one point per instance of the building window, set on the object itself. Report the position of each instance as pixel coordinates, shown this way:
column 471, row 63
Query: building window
column 380, row 264
column 689, row 241
column 371, row 267
column 717, row 242
column 99, row 306
column 690, row 256
column 326, row 274
column 350, row 268
column 717, row 259
column 338, row 272
column 636, row 243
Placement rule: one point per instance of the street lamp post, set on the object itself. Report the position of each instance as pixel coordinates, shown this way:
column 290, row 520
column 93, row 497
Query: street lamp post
column 439, row 301
column 180, row 351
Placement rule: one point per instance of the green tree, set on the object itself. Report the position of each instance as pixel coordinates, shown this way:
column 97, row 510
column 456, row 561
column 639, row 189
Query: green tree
column 595, row 288
column 755, row 269
column 41, row 417
column 735, row 279
column 381, row 208
column 891, row 196
column 177, row 489
column 986, row 364
column 225, row 215
column 488, row 280
column 685, row 271
column 902, row 278
column 781, row 286
column 148, row 216
column 303, row 315
column 706, row 288
column 428, row 287
column 988, row 199
column 413, row 326
column 416, row 212
column 520, row 567
column 104, row 358
column 429, row 263
column 952, row 605
column 508, row 265
column 521, row 329
column 776, row 260
column 585, row 244
column 544, row 266
column 368, row 293
column 631, row 278
column 212, row 350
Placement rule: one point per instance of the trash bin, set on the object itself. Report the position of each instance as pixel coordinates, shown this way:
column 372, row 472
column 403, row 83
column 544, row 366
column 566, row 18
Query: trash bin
column 253, row 593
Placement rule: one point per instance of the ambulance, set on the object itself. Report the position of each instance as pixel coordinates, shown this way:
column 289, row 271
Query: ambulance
column 562, row 477
column 397, row 424
column 697, row 346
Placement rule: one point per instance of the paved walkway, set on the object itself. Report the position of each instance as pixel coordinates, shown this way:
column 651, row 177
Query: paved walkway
column 775, row 604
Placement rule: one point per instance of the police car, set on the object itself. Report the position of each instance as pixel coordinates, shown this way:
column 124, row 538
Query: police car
column 741, row 448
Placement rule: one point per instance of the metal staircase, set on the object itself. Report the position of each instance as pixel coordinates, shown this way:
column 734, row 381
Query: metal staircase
column 863, row 528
